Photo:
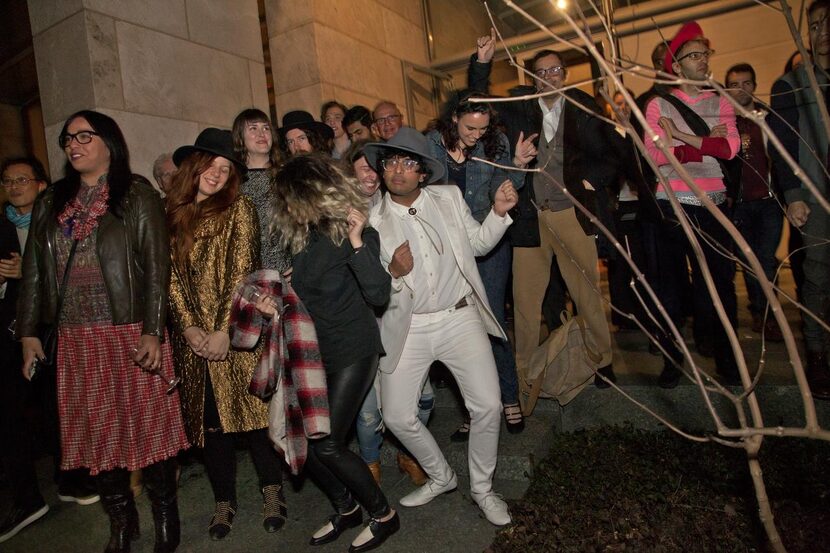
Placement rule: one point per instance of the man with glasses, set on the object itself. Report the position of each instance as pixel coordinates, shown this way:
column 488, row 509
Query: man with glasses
column 437, row 311
column 23, row 179
column 699, row 127
column 387, row 120
column 795, row 107
column 578, row 151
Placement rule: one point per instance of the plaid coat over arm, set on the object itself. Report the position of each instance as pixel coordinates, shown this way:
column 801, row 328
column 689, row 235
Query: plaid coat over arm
column 290, row 366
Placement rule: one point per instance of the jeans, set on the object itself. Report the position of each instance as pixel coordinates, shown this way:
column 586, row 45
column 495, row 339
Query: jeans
column 494, row 269
column 672, row 251
column 369, row 426
column 341, row 473
column 760, row 223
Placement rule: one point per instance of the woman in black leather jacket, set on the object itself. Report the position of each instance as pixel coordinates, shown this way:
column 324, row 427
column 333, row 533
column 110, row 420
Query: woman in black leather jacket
column 107, row 226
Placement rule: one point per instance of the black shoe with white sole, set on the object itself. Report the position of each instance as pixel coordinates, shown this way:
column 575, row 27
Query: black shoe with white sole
column 20, row 518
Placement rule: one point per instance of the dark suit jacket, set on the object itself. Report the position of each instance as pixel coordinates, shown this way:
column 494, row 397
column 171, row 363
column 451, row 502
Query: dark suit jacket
column 8, row 245
column 591, row 152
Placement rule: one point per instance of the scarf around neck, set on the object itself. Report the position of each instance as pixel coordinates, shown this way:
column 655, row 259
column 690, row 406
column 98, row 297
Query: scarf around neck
column 19, row 220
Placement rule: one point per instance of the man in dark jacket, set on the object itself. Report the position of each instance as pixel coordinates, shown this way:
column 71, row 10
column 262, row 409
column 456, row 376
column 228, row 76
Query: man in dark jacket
column 796, row 120
column 576, row 150
column 23, row 179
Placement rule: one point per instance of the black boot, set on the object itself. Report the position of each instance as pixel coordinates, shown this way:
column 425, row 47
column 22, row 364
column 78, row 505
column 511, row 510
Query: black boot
column 117, row 498
column 160, row 481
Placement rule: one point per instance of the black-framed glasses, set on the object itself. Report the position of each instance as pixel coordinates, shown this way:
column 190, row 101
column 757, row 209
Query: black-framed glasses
column 18, row 181
column 82, row 137
column 388, row 119
column 393, row 163
column 554, row 71
column 697, row 56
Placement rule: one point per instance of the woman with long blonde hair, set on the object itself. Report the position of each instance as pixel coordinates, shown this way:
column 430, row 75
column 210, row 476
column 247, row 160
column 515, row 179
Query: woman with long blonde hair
column 338, row 276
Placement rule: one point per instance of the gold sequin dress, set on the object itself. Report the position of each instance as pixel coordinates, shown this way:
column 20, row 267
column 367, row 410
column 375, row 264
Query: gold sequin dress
column 225, row 250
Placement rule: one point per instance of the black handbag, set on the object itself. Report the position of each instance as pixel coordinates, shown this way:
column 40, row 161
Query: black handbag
column 48, row 333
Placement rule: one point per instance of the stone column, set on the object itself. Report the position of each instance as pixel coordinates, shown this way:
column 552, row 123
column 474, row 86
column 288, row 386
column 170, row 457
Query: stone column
column 350, row 51
column 163, row 69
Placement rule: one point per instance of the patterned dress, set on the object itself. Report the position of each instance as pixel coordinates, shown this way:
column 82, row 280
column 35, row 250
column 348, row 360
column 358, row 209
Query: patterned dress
column 259, row 188
column 112, row 413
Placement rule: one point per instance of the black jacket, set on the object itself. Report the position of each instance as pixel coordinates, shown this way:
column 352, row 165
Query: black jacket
column 591, row 153
column 133, row 250
column 8, row 245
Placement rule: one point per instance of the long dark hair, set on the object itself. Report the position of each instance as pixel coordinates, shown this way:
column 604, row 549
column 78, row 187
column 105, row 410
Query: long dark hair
column 449, row 128
column 119, row 175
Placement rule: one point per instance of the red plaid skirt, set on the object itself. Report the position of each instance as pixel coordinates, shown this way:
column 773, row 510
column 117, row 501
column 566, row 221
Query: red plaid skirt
column 112, row 413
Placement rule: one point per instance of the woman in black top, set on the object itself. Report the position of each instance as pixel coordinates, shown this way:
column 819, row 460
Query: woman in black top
column 337, row 274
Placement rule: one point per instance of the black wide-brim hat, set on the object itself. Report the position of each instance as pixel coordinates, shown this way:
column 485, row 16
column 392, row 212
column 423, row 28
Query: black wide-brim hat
column 408, row 141
column 304, row 120
column 212, row 141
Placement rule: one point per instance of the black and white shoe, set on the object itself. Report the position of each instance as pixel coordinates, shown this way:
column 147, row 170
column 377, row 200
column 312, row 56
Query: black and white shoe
column 18, row 519
column 76, row 493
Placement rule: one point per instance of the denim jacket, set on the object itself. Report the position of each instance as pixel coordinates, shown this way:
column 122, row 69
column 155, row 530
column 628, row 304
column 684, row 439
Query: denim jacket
column 482, row 179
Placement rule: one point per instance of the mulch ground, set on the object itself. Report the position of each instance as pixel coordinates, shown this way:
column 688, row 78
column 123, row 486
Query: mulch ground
column 619, row 489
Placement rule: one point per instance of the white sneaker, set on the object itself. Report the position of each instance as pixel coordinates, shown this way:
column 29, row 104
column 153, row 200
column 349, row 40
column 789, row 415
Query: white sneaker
column 494, row 508
column 428, row 492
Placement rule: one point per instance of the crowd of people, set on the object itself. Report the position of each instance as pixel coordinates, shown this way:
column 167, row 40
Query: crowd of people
column 372, row 250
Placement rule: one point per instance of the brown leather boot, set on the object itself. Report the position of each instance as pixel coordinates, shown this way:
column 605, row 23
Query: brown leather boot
column 374, row 468
column 411, row 467
column 818, row 374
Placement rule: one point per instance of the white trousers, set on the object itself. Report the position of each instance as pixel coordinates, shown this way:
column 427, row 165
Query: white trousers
column 457, row 338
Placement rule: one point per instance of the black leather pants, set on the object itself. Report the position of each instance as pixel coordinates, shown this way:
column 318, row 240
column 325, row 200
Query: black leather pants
column 340, row 472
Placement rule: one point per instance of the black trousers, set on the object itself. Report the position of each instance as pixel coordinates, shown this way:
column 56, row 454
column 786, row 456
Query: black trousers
column 341, row 473
column 220, row 453
column 16, row 447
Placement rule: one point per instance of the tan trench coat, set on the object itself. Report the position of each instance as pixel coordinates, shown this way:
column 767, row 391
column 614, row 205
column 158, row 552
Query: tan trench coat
column 225, row 250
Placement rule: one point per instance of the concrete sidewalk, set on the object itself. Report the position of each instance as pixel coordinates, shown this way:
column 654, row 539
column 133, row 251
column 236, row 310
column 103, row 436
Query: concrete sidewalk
column 451, row 523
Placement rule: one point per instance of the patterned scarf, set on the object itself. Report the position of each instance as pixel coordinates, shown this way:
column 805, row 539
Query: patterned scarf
column 20, row 221
column 79, row 218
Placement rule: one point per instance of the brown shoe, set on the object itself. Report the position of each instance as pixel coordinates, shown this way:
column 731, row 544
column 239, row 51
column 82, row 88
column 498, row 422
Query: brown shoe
column 374, row 468
column 411, row 467
column 818, row 374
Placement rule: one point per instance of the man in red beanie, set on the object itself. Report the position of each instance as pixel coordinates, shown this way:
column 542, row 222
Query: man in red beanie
column 700, row 127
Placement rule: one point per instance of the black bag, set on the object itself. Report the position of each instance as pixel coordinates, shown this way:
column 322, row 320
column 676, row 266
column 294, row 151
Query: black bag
column 48, row 333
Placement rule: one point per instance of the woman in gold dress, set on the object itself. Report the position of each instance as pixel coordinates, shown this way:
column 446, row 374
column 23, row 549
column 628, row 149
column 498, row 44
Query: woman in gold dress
column 215, row 243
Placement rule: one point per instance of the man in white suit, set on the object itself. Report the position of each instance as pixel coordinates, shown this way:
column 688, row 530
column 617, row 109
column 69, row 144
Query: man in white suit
column 438, row 311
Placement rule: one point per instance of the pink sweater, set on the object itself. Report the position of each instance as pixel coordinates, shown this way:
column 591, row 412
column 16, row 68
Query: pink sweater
column 700, row 163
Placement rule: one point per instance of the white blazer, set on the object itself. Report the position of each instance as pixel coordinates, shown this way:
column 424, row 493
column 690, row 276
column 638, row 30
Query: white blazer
column 468, row 239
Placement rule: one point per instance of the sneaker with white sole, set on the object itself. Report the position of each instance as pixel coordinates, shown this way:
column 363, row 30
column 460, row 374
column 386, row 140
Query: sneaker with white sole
column 80, row 494
column 428, row 492
column 494, row 508
column 18, row 519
